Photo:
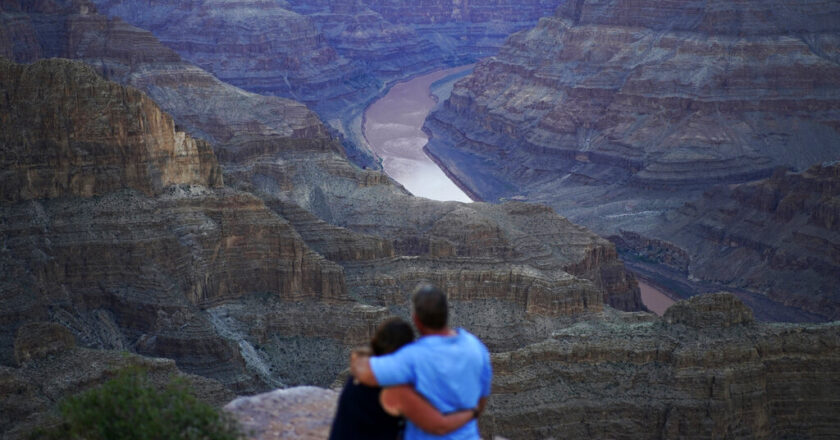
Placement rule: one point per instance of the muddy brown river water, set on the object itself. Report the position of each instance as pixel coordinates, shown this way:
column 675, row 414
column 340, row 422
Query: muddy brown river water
column 654, row 299
column 392, row 128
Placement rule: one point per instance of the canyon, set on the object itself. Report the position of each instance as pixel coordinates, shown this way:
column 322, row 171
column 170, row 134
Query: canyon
column 623, row 117
column 174, row 203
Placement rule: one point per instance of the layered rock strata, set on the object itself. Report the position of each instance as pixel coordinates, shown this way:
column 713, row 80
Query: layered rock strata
column 256, row 45
column 210, row 277
column 706, row 370
column 51, row 367
column 597, row 96
column 107, row 139
column 231, row 118
column 774, row 235
column 134, row 257
column 615, row 114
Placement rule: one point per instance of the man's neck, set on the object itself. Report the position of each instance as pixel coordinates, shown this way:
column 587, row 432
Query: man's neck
column 446, row 331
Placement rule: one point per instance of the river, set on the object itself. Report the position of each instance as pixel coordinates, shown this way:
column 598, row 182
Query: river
column 654, row 299
column 393, row 129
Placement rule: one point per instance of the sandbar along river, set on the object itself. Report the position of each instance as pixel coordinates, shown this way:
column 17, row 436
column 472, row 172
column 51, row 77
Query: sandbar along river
column 392, row 128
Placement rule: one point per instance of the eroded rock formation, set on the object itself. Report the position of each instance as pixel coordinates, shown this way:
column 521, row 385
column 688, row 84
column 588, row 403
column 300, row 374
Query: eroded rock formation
column 705, row 370
column 51, row 367
column 774, row 235
column 617, row 112
column 237, row 283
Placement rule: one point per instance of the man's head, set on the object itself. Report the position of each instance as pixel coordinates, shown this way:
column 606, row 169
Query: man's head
column 430, row 309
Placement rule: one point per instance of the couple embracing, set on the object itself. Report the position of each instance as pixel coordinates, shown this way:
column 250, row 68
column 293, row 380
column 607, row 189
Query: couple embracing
column 438, row 383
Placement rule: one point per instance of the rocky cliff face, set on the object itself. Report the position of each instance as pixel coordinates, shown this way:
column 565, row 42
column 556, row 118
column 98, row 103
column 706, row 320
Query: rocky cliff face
column 256, row 45
column 106, row 139
column 235, row 121
column 119, row 231
column 641, row 101
column 704, row 371
column 774, row 235
column 50, row 367
column 614, row 113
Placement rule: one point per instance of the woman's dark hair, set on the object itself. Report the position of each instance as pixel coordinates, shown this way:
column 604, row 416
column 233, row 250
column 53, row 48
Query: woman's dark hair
column 391, row 335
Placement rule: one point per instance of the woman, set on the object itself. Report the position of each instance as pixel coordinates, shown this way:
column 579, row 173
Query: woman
column 373, row 413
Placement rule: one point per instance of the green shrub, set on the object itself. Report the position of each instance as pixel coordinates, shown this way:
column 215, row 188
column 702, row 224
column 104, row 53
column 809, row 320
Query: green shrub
column 129, row 407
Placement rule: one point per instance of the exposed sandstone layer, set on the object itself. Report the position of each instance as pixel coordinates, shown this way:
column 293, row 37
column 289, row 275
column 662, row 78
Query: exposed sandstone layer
column 54, row 368
column 705, row 370
column 779, row 235
column 614, row 113
column 107, row 138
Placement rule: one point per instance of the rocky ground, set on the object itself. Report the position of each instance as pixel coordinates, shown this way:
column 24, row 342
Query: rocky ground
column 616, row 115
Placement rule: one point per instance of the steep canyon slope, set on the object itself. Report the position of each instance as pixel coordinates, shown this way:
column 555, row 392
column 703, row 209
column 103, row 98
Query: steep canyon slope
column 334, row 56
column 616, row 112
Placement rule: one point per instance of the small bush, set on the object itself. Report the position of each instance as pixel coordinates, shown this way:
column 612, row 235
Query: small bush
column 129, row 407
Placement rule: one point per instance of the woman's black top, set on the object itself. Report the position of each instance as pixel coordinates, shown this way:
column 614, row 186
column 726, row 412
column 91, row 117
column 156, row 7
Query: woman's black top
column 360, row 416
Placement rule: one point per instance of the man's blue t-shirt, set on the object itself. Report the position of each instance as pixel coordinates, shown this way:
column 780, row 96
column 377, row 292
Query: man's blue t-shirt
column 451, row 372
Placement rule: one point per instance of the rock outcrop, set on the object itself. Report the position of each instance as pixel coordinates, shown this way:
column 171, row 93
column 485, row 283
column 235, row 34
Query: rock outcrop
column 302, row 413
column 84, row 136
column 704, row 371
column 776, row 235
column 52, row 368
column 134, row 259
column 614, row 112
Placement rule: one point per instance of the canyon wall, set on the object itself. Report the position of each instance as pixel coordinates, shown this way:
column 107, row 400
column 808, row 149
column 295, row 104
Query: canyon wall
column 616, row 113
column 269, row 280
column 336, row 57
column 778, row 235
column 245, row 283
column 705, row 370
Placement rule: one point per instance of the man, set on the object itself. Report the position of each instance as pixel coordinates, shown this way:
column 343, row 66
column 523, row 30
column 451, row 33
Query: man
column 450, row 368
